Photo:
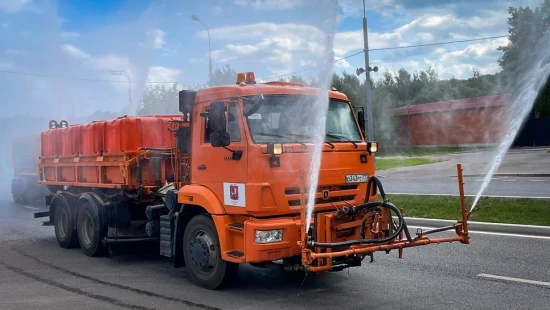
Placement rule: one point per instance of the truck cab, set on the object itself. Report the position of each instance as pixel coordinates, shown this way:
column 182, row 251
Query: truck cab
column 251, row 164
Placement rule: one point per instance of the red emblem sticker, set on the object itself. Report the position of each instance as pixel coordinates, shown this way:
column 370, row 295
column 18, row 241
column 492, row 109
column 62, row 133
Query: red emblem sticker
column 234, row 192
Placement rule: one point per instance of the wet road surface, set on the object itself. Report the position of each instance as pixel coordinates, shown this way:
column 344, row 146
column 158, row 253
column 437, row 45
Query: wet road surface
column 36, row 274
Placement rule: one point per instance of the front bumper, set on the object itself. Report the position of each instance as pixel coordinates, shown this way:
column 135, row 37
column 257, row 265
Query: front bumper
column 288, row 247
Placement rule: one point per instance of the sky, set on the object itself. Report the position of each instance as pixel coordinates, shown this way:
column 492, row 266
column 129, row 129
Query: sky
column 56, row 56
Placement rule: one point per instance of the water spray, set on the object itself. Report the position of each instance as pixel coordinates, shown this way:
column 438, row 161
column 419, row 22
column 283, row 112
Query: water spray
column 531, row 82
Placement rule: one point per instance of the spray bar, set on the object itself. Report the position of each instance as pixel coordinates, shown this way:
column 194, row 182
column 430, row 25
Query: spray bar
column 363, row 247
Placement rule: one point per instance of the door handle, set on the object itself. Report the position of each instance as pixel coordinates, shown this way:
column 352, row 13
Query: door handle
column 201, row 167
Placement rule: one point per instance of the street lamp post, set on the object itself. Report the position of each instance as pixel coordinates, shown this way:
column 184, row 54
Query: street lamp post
column 124, row 73
column 195, row 18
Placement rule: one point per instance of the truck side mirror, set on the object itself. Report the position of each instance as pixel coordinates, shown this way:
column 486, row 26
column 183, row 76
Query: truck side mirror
column 220, row 139
column 217, row 118
column 218, row 125
column 361, row 120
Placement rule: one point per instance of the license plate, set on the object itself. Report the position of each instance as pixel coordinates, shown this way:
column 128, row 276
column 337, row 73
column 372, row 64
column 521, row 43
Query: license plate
column 357, row 178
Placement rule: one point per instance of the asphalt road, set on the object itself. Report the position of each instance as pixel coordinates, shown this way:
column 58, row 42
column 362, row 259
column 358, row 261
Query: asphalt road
column 499, row 186
column 37, row 274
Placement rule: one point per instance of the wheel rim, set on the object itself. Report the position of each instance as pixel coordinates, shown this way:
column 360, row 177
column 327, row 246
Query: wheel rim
column 203, row 252
column 63, row 224
column 87, row 230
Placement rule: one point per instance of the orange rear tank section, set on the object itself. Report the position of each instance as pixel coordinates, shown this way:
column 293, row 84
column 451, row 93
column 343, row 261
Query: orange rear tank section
column 127, row 152
column 25, row 154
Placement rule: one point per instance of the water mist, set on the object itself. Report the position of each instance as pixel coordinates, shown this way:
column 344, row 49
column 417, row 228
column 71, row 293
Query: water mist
column 529, row 84
column 320, row 109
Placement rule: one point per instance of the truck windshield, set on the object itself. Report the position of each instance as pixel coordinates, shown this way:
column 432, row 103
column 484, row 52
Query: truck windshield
column 291, row 118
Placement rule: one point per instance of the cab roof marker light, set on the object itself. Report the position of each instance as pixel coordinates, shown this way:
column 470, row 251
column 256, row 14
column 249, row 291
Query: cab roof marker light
column 241, row 78
column 250, row 78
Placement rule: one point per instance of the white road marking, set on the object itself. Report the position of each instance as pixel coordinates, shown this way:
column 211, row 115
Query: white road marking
column 483, row 275
column 487, row 233
column 537, row 180
column 483, row 196
column 32, row 208
column 508, row 180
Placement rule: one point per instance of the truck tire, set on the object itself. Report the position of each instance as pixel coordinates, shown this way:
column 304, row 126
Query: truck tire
column 201, row 251
column 16, row 191
column 64, row 226
column 91, row 230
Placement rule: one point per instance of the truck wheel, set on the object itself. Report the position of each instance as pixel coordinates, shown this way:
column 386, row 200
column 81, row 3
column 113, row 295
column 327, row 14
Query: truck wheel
column 16, row 197
column 65, row 231
column 16, row 191
column 201, row 251
column 90, row 230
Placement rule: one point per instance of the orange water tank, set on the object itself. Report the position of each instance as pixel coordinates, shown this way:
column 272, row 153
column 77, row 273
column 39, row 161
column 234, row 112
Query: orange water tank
column 92, row 139
column 122, row 135
column 128, row 134
column 70, row 140
column 50, row 142
column 155, row 132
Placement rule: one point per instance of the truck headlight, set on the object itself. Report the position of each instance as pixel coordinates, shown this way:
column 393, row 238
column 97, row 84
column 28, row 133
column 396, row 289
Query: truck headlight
column 372, row 147
column 275, row 148
column 268, row 236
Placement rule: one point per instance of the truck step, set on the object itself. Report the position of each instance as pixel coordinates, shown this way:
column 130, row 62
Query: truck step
column 41, row 214
column 236, row 226
column 235, row 254
column 166, row 236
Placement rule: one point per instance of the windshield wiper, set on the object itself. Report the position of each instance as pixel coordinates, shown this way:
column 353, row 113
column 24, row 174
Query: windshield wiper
column 309, row 137
column 278, row 136
column 334, row 135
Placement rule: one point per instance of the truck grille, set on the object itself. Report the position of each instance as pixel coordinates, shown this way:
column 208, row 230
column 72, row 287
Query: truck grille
column 336, row 193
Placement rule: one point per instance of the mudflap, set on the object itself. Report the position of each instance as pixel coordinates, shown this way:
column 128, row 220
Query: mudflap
column 40, row 214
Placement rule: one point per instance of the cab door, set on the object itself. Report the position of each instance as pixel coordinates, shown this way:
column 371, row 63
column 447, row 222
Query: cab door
column 223, row 170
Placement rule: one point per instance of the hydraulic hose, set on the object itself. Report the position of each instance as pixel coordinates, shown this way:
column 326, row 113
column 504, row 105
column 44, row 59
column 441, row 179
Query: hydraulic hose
column 372, row 180
column 402, row 226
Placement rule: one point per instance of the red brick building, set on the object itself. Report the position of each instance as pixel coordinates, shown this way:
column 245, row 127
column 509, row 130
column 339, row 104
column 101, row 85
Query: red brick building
column 480, row 120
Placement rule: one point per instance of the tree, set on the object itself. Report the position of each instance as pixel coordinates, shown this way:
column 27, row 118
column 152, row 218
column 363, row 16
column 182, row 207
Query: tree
column 160, row 100
column 527, row 29
column 225, row 76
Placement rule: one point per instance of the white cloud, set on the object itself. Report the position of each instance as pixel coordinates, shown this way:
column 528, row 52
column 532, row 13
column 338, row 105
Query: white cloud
column 458, row 64
column 74, row 51
column 477, row 50
column 162, row 74
column 270, row 5
column 425, row 29
column 341, row 64
column 284, row 47
column 68, row 35
column 156, row 37
column 276, row 46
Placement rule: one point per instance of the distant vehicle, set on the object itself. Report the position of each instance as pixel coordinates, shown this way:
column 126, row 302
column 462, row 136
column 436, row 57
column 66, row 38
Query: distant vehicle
column 25, row 156
column 226, row 182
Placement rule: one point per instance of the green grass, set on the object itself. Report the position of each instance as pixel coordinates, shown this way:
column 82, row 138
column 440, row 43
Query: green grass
column 495, row 210
column 388, row 163
column 425, row 151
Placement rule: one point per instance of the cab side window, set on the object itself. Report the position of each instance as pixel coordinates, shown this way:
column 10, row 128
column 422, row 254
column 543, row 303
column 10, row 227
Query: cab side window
column 233, row 123
column 233, row 127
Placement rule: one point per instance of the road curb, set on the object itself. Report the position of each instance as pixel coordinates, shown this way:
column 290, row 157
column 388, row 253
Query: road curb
column 530, row 230
column 520, row 175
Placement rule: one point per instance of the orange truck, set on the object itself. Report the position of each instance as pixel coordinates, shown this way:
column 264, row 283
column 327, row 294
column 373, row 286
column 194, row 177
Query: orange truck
column 226, row 182
column 25, row 154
